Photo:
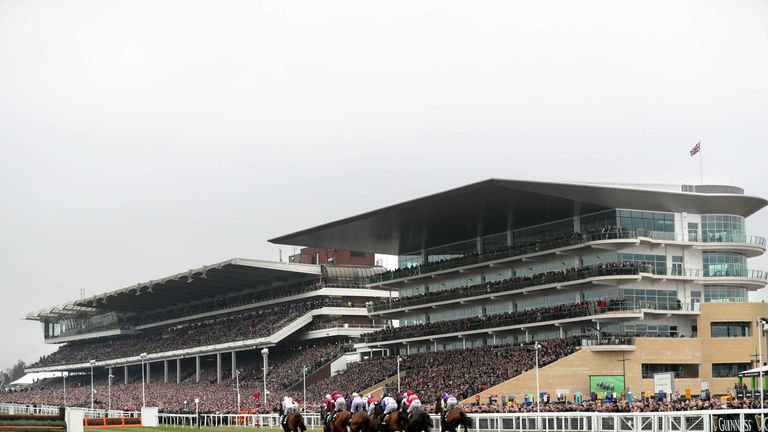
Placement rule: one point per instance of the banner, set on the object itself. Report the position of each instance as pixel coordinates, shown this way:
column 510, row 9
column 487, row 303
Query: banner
column 730, row 423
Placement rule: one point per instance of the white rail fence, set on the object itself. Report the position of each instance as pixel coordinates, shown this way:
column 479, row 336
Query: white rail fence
column 676, row 421
column 8, row 408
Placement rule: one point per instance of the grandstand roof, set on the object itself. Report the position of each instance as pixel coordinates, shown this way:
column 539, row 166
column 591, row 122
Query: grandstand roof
column 207, row 282
column 495, row 205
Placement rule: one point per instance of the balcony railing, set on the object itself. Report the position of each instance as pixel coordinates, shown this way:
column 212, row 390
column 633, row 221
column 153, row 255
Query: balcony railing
column 574, row 240
column 530, row 316
column 508, row 285
column 705, row 273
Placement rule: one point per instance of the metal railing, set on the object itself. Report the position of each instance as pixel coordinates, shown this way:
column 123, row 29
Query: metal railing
column 543, row 246
column 730, row 420
column 516, row 284
column 530, row 316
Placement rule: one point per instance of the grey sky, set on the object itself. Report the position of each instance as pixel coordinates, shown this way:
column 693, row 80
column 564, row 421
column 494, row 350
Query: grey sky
column 142, row 138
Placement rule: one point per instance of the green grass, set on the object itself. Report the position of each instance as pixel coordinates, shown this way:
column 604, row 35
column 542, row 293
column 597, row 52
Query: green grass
column 180, row 429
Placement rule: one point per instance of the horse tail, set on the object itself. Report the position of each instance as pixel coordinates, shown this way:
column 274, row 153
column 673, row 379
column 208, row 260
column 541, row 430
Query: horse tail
column 300, row 420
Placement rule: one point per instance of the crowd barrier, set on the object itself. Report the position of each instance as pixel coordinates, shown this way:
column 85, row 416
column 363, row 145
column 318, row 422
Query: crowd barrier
column 675, row 421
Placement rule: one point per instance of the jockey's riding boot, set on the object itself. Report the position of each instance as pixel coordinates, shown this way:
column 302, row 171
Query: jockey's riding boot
column 385, row 419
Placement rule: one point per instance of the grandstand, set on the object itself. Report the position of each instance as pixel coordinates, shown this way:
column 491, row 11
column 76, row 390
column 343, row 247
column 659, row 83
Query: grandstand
column 648, row 278
column 621, row 281
column 197, row 328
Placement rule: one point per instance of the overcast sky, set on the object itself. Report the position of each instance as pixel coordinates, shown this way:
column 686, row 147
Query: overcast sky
column 142, row 138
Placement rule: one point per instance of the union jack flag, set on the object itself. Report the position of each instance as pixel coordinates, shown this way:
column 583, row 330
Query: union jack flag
column 696, row 148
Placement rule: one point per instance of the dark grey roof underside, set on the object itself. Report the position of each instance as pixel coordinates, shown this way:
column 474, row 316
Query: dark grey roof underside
column 494, row 206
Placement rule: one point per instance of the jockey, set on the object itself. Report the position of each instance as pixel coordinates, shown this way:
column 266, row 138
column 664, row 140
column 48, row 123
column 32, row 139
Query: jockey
column 372, row 402
column 449, row 402
column 388, row 405
column 339, row 404
column 289, row 407
column 357, row 403
column 411, row 401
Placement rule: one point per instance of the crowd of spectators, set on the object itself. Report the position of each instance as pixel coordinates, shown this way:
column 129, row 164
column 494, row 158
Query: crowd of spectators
column 285, row 373
column 224, row 303
column 516, row 283
column 463, row 372
column 620, row 406
column 533, row 246
column 252, row 324
column 549, row 313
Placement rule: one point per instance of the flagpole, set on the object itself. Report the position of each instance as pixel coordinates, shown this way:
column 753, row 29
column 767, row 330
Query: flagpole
column 701, row 165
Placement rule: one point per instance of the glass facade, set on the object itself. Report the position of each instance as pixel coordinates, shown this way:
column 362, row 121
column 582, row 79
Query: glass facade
column 730, row 329
column 634, row 220
column 652, row 299
column 728, row 370
column 650, row 330
column 722, row 228
column 725, row 293
column 452, row 314
column 680, row 370
column 719, row 264
column 545, row 232
column 547, row 300
column 657, row 262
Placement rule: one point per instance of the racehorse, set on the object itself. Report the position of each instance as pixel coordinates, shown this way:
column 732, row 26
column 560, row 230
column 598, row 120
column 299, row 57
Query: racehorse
column 294, row 423
column 418, row 421
column 450, row 420
column 396, row 422
column 341, row 421
column 359, row 422
column 374, row 421
column 453, row 418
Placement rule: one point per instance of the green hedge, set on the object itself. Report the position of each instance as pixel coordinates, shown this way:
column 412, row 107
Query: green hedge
column 42, row 423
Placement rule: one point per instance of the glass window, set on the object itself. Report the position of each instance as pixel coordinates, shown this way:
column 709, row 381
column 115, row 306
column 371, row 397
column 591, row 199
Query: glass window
column 725, row 294
column 722, row 228
column 680, row 370
column 542, row 233
column 658, row 262
column 652, row 299
column 727, row 370
column 730, row 329
column 720, row 264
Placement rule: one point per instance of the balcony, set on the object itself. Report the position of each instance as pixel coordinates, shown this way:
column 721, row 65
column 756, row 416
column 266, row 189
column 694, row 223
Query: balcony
column 509, row 286
column 751, row 246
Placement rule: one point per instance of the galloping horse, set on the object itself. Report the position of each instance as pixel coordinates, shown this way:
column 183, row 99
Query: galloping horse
column 374, row 421
column 419, row 421
column 396, row 422
column 341, row 421
column 451, row 420
column 294, row 423
column 359, row 422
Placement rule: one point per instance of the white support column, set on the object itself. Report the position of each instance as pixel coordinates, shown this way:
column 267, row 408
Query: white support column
column 510, row 238
column 165, row 371
column 218, row 368
column 576, row 223
column 561, row 332
column 148, row 379
column 479, row 244
column 464, row 343
column 234, row 363
column 178, row 371
column 125, row 372
column 197, row 369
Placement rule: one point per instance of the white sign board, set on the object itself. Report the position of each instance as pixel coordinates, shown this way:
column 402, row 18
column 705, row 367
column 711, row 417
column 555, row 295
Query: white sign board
column 664, row 382
column 149, row 417
column 74, row 419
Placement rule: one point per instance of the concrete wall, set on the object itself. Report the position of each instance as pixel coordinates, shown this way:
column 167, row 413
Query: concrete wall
column 573, row 372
